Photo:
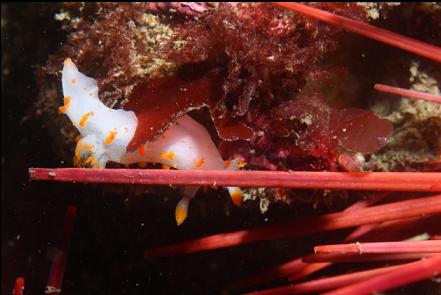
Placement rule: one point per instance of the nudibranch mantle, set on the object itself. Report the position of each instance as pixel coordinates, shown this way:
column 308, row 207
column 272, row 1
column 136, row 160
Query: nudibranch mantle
column 106, row 132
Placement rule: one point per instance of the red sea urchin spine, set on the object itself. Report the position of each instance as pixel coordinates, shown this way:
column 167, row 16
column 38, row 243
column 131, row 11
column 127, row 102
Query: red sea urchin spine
column 382, row 247
column 58, row 267
column 390, row 230
column 387, row 37
column 327, row 222
column 351, row 257
column 408, row 93
column 19, row 286
column 405, row 274
column 297, row 266
column 381, row 181
column 280, row 271
column 326, row 283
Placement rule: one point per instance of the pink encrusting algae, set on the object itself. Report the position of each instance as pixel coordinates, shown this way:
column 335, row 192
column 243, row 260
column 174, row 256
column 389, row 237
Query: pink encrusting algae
column 381, row 227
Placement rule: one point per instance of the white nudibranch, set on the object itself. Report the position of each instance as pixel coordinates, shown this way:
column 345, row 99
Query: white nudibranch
column 105, row 134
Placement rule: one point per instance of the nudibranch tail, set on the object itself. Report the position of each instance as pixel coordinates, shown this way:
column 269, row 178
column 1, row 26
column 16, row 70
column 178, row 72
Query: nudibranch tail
column 181, row 211
column 236, row 195
column 235, row 192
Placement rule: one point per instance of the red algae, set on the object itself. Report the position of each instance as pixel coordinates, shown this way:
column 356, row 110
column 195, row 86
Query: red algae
column 317, row 131
column 360, row 130
column 160, row 102
column 403, row 42
column 265, row 57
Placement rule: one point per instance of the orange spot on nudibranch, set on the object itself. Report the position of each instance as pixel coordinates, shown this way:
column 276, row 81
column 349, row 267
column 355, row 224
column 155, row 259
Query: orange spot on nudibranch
column 83, row 147
column 171, row 156
column 164, row 166
column 241, row 164
column 180, row 214
column 89, row 160
column 84, row 119
column 66, row 105
column 68, row 61
column 141, row 151
column 111, row 137
column 167, row 156
column 73, row 81
column 199, row 163
column 236, row 197
column 227, row 164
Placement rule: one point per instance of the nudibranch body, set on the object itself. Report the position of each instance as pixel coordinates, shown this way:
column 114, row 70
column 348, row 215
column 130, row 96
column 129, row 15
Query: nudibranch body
column 106, row 133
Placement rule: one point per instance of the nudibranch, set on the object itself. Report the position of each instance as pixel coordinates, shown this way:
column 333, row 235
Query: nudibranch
column 106, row 133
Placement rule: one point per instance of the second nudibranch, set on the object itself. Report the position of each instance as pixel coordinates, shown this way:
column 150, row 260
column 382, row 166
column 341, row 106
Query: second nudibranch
column 106, row 133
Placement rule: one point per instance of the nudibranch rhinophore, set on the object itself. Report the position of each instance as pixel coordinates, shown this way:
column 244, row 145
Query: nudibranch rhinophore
column 106, row 132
